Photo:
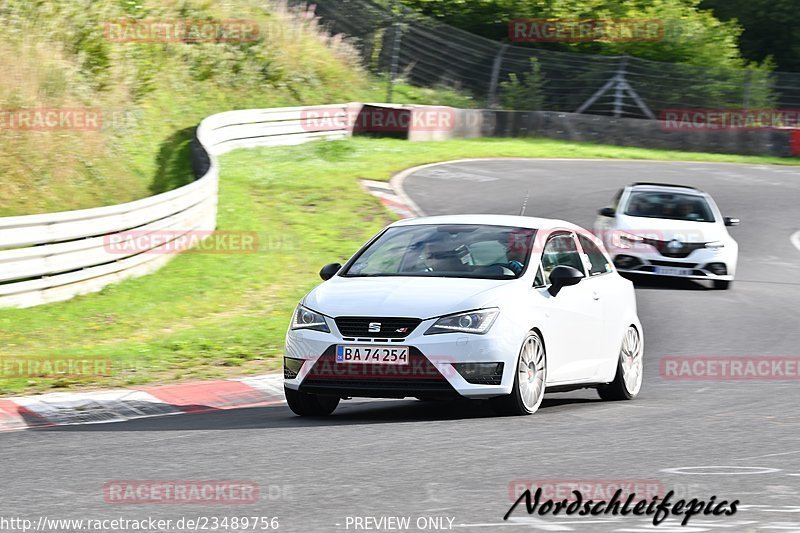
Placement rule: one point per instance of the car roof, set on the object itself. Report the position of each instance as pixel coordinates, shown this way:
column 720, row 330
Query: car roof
column 666, row 187
column 491, row 220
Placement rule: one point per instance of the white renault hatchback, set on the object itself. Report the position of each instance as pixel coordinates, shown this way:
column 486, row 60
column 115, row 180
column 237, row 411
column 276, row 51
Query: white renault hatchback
column 480, row 306
column 669, row 230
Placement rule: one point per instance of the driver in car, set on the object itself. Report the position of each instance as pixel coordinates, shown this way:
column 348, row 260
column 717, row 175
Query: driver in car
column 438, row 256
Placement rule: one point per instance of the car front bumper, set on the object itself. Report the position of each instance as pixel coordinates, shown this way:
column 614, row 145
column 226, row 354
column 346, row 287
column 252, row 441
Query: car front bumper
column 706, row 264
column 430, row 372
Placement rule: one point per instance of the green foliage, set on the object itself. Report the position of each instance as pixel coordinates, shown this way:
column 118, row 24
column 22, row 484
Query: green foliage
column 94, row 55
column 524, row 93
column 771, row 28
column 692, row 35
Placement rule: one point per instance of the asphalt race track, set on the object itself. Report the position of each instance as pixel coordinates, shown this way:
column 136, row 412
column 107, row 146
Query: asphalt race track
column 730, row 439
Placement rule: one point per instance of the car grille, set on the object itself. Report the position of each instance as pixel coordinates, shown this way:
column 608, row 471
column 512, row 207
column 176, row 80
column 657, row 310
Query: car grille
column 678, row 253
column 390, row 328
column 377, row 389
column 674, row 264
column 419, row 378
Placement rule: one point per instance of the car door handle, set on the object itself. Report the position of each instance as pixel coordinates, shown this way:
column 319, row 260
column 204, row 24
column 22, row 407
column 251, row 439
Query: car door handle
column 595, row 295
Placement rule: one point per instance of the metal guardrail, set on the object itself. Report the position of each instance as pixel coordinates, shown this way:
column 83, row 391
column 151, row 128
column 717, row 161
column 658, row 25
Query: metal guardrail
column 56, row 256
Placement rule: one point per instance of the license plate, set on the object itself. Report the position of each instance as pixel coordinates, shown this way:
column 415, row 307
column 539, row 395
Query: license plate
column 673, row 271
column 378, row 355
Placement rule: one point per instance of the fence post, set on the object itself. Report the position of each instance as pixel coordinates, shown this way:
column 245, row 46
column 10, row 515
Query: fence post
column 748, row 80
column 491, row 100
column 621, row 87
column 619, row 92
column 397, row 33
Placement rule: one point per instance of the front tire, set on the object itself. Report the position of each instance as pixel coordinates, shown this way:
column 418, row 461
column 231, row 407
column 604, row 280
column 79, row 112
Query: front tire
column 307, row 404
column 628, row 380
column 529, row 380
column 723, row 285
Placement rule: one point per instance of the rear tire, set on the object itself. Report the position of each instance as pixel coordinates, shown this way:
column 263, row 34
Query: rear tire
column 628, row 380
column 722, row 284
column 307, row 404
column 530, row 377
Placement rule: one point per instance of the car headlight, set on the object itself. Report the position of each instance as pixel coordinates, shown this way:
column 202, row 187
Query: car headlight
column 716, row 245
column 477, row 322
column 305, row 318
column 623, row 240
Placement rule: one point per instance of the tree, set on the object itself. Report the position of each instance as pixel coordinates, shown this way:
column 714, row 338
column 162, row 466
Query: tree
column 692, row 35
column 771, row 28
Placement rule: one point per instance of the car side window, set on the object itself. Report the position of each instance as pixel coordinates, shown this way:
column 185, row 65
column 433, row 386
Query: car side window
column 598, row 264
column 561, row 250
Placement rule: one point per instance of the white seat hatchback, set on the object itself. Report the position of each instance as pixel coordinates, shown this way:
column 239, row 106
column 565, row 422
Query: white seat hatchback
column 502, row 308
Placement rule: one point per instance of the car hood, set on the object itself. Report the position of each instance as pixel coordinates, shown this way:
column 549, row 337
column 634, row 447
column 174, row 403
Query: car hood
column 419, row 297
column 666, row 230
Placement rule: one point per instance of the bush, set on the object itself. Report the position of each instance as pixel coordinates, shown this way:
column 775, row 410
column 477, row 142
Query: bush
column 524, row 92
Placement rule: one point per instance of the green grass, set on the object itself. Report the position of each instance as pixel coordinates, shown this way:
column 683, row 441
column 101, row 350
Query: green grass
column 153, row 95
column 215, row 315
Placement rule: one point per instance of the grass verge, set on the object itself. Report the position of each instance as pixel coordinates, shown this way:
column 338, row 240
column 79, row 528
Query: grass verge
column 217, row 315
column 149, row 96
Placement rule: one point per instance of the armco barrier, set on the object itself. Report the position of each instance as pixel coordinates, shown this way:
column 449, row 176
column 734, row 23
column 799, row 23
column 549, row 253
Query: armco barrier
column 55, row 256
column 51, row 257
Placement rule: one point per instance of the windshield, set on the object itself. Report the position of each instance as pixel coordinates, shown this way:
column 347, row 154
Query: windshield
column 674, row 206
column 451, row 251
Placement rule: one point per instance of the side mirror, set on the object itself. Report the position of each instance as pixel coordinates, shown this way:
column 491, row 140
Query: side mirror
column 731, row 221
column 328, row 271
column 607, row 212
column 563, row 276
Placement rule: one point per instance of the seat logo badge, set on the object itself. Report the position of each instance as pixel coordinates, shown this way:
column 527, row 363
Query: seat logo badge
column 401, row 330
column 675, row 245
column 374, row 327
